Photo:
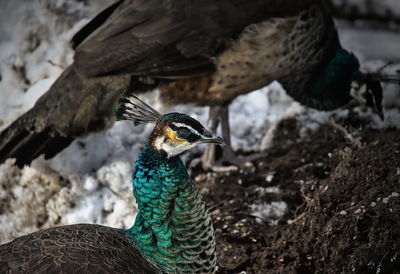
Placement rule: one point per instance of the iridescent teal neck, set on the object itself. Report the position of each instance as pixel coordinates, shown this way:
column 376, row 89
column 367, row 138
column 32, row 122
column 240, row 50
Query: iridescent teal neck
column 172, row 227
column 330, row 85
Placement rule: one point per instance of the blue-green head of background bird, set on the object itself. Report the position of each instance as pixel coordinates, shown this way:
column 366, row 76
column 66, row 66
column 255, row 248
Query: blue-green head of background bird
column 173, row 133
column 333, row 83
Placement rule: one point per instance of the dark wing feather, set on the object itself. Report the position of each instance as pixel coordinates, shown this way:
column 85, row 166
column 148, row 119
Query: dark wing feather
column 100, row 18
column 72, row 107
column 25, row 145
column 74, row 249
column 164, row 37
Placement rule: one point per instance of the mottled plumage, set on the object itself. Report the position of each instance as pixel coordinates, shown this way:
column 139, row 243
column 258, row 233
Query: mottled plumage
column 206, row 52
column 80, row 248
column 285, row 49
column 172, row 233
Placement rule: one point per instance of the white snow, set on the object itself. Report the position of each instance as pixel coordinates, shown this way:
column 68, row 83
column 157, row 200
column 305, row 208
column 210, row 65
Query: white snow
column 90, row 180
column 279, row 107
column 381, row 7
column 268, row 212
column 270, row 189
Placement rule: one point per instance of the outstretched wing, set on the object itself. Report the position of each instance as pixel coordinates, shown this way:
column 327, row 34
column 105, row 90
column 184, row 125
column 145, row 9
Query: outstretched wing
column 169, row 38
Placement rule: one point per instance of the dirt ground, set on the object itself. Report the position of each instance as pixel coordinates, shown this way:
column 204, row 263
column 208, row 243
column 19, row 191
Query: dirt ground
column 343, row 204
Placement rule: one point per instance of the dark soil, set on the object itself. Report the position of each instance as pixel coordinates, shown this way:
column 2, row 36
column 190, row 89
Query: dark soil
column 343, row 205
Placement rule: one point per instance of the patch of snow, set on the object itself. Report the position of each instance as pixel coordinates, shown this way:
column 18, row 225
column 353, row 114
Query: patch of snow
column 280, row 107
column 383, row 46
column 270, row 189
column 106, row 197
column 269, row 177
column 269, row 212
column 247, row 117
column 381, row 7
column 25, row 200
column 25, row 51
column 35, row 91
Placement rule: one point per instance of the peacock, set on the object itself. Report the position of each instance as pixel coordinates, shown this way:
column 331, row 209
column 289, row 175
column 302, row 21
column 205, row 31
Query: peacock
column 172, row 233
column 203, row 52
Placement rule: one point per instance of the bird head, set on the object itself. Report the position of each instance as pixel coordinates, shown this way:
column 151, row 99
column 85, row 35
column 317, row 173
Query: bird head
column 173, row 133
column 368, row 90
column 178, row 132
column 341, row 79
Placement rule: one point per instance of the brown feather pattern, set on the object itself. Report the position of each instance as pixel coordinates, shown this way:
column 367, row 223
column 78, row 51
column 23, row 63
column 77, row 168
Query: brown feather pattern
column 79, row 248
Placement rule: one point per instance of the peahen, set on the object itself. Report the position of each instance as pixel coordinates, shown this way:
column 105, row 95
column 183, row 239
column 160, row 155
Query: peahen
column 173, row 232
column 204, row 52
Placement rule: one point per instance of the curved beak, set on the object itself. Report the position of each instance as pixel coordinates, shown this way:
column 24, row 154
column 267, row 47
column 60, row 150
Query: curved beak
column 209, row 137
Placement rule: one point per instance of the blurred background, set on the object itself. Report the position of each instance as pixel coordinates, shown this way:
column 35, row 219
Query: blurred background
column 90, row 180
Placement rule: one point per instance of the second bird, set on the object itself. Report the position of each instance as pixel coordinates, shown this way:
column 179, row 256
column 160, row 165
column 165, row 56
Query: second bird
column 203, row 52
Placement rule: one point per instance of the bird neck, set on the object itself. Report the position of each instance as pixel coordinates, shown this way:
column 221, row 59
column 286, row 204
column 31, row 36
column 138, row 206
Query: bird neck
column 330, row 85
column 172, row 227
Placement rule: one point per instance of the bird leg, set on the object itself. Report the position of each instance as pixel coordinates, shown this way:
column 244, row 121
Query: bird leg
column 219, row 114
column 228, row 152
column 229, row 162
column 208, row 158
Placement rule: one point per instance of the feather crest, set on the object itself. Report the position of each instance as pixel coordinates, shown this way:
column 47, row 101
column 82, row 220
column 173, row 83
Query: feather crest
column 130, row 107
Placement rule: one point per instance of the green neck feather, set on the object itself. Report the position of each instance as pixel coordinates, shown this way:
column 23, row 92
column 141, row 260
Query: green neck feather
column 330, row 86
column 172, row 227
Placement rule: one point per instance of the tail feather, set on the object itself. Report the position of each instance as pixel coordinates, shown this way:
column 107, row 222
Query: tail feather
column 73, row 107
column 90, row 27
column 131, row 107
column 23, row 145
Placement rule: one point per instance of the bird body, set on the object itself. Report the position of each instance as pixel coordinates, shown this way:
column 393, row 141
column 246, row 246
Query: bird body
column 289, row 50
column 184, row 236
column 204, row 52
column 172, row 233
column 82, row 248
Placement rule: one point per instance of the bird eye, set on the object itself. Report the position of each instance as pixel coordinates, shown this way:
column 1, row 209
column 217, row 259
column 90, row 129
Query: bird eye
column 183, row 132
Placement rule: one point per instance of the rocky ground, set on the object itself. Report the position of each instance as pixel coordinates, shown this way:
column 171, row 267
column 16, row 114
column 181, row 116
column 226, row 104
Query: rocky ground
column 343, row 204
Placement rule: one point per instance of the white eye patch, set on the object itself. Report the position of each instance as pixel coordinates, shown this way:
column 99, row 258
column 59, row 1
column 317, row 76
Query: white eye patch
column 171, row 148
column 188, row 127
